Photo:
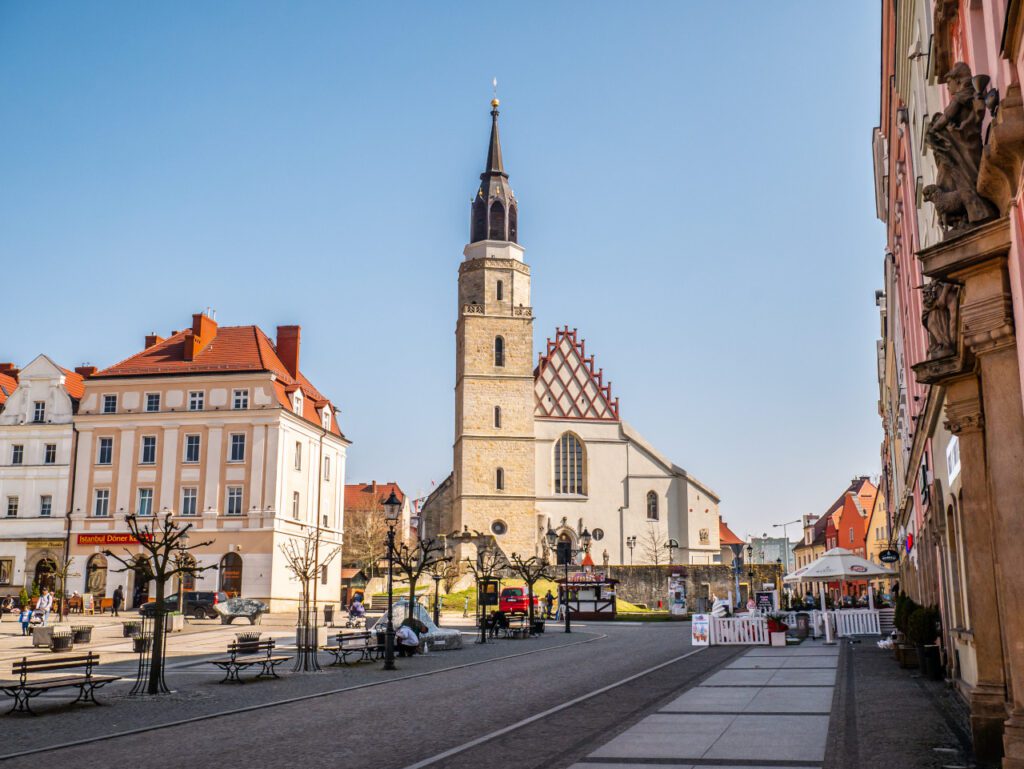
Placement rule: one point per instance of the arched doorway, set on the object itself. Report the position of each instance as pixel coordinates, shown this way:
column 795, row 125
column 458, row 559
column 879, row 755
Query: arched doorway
column 45, row 574
column 96, row 575
column 231, row 574
column 141, row 576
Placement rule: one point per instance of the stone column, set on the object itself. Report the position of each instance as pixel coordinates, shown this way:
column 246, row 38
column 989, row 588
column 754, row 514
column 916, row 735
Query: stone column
column 981, row 606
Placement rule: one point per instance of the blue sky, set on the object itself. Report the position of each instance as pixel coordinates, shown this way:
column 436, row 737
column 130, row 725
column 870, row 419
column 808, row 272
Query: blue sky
column 695, row 196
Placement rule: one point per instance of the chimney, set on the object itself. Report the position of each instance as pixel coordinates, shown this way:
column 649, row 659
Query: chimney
column 10, row 369
column 85, row 371
column 204, row 329
column 288, row 338
column 152, row 339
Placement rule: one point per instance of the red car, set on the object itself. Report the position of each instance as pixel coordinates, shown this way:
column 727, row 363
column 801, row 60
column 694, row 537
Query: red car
column 513, row 600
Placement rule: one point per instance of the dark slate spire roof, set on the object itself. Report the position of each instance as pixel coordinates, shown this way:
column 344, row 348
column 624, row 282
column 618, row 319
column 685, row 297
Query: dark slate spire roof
column 495, row 212
column 494, row 164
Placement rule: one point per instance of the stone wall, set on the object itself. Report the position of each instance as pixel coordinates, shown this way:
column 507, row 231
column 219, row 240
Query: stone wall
column 649, row 584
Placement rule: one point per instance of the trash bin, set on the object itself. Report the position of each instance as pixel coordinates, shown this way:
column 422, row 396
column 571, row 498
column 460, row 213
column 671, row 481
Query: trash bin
column 803, row 625
column 329, row 614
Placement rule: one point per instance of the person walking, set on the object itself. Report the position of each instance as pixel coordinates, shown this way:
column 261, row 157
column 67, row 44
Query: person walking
column 45, row 605
column 25, row 618
column 549, row 602
column 118, row 600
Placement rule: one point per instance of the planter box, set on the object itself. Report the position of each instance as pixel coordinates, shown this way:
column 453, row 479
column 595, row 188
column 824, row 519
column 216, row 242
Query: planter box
column 907, row 656
column 41, row 636
column 62, row 642
column 174, row 623
column 778, row 638
column 128, row 629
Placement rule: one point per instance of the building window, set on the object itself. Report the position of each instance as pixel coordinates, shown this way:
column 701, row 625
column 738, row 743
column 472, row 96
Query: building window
column 597, row 534
column 499, row 479
column 39, row 411
column 17, row 454
column 109, row 404
column 297, row 402
column 234, row 500
column 50, row 454
column 45, row 505
column 298, row 455
column 499, row 351
column 189, row 496
column 326, row 420
column 145, row 501
column 6, row 570
column 569, row 466
column 196, row 399
column 652, row 506
column 152, row 401
column 327, row 468
column 240, row 400
column 191, row 449
column 12, row 507
column 148, row 450
column 295, row 504
column 105, row 455
column 323, row 575
column 101, row 503
column 237, row 448
column 500, row 290
column 497, row 416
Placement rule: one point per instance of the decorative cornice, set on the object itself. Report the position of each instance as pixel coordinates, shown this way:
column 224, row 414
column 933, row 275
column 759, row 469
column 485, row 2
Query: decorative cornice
column 974, row 247
column 1003, row 155
column 988, row 323
column 964, row 415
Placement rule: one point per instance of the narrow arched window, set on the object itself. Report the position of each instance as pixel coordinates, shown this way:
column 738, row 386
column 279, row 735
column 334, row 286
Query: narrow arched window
column 570, row 472
column 500, row 290
column 499, row 479
column 479, row 229
column 499, row 351
column 497, row 226
column 497, row 416
column 652, row 506
column 513, row 223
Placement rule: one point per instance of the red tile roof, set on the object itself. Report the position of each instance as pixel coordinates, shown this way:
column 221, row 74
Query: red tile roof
column 361, row 496
column 7, row 385
column 725, row 535
column 232, row 349
column 74, row 384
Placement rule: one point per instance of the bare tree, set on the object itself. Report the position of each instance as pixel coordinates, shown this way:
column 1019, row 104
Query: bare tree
column 449, row 573
column 412, row 562
column 366, row 533
column 530, row 570
column 300, row 558
column 653, row 544
column 163, row 558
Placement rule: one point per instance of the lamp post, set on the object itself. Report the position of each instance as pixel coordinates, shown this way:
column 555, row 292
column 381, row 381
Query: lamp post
column 183, row 540
column 786, row 537
column 565, row 555
column 392, row 508
column 631, row 543
column 750, row 571
column 437, row 599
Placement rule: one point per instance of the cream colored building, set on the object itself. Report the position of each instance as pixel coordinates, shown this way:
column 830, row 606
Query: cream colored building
column 539, row 442
column 219, row 426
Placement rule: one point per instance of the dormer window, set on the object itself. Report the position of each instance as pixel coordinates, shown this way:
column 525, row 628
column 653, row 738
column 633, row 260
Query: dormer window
column 326, row 419
column 39, row 411
column 297, row 402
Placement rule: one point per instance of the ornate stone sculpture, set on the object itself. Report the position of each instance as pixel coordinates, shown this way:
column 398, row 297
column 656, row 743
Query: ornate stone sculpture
column 940, row 317
column 955, row 138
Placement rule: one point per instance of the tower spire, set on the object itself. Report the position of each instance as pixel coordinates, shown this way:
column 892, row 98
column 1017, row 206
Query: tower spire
column 494, row 164
column 495, row 212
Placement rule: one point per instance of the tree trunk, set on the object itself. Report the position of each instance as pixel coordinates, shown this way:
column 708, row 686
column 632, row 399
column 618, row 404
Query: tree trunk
column 412, row 596
column 529, row 598
column 156, row 659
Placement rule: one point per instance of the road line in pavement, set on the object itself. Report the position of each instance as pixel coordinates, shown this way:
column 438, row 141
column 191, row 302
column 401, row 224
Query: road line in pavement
column 550, row 711
column 301, row 698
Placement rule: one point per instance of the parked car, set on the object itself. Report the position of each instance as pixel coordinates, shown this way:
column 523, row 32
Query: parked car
column 513, row 600
column 198, row 604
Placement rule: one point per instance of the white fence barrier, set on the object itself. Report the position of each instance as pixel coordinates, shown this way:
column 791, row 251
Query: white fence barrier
column 856, row 622
column 734, row 631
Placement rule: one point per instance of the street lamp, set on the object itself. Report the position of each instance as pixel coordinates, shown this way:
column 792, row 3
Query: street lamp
column 182, row 555
column 631, row 543
column 392, row 508
column 786, row 537
column 437, row 599
column 566, row 554
column 750, row 570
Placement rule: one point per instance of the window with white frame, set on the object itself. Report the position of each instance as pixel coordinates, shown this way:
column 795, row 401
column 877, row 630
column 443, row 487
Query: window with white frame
column 189, row 500
column 105, row 453
column 234, row 500
column 17, row 454
column 109, row 404
column 101, row 503
column 45, row 505
column 148, row 452
column 12, row 507
column 191, row 449
column 196, row 400
column 39, row 411
column 237, row 448
column 240, row 399
column 145, row 502
column 298, row 455
column 295, row 504
column 152, row 401
column 325, row 420
column 50, row 454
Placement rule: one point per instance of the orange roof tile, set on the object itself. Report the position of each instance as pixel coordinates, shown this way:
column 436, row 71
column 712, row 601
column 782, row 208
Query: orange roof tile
column 361, row 496
column 74, row 384
column 725, row 535
column 7, row 386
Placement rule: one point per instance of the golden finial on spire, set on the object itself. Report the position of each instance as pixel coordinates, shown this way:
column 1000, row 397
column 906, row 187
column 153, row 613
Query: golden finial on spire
column 494, row 101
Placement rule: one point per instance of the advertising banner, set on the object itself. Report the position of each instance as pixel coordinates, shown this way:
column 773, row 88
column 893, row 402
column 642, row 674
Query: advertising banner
column 700, row 630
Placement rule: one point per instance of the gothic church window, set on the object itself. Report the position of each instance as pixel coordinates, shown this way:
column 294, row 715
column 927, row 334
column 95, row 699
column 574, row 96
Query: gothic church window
column 652, row 506
column 570, row 472
column 497, row 228
column 499, row 351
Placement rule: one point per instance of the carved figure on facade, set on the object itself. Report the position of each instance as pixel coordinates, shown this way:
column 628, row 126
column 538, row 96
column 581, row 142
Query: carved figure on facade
column 954, row 136
column 940, row 316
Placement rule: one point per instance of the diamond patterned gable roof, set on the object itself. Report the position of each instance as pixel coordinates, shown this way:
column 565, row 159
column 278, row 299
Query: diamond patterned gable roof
column 566, row 384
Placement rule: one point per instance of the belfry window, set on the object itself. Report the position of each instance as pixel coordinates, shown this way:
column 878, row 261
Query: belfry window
column 499, row 351
column 499, row 479
column 513, row 224
column 570, row 472
column 497, row 224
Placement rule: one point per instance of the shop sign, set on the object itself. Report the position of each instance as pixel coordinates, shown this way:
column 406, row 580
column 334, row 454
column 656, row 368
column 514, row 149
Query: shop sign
column 107, row 539
column 582, row 576
column 700, row 630
column 765, row 601
column 858, row 568
column 47, row 544
column 889, row 556
column 910, row 541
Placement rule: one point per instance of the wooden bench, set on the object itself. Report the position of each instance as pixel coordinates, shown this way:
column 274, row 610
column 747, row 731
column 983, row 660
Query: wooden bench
column 247, row 654
column 349, row 644
column 24, row 690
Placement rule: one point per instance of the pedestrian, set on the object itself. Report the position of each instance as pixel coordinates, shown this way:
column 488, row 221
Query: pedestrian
column 44, row 605
column 549, row 602
column 25, row 618
column 465, row 607
column 407, row 638
column 118, row 600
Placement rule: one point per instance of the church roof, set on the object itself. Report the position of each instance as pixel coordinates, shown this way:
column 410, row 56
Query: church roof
column 726, row 536
column 566, row 384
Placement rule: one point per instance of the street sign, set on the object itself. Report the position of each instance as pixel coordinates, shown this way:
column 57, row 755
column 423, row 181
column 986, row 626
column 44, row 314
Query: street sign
column 889, row 556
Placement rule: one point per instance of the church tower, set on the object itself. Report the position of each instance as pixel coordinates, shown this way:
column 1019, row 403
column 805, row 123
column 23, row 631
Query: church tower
column 494, row 490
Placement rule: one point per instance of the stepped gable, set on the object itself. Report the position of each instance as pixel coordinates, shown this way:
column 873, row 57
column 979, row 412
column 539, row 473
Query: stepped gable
column 566, row 384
